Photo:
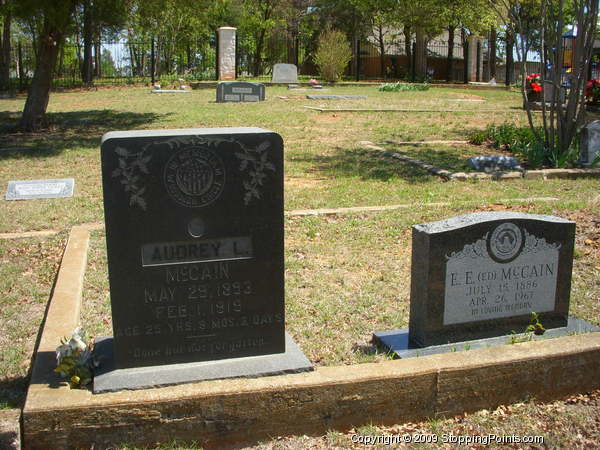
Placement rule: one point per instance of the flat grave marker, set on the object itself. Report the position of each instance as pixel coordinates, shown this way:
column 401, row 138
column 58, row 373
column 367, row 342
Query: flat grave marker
column 481, row 275
column 336, row 97
column 194, row 232
column 31, row 189
column 240, row 91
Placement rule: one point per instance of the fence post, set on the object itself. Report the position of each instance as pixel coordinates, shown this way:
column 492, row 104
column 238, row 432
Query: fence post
column 413, row 63
column 237, row 57
column 152, row 62
column 358, row 60
column 478, row 61
column 466, row 61
column 20, row 65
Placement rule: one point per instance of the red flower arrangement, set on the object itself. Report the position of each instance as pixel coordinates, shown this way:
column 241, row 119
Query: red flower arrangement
column 534, row 82
column 592, row 91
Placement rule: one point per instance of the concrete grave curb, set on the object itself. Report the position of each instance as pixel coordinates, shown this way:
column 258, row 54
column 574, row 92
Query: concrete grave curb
column 447, row 175
column 219, row 411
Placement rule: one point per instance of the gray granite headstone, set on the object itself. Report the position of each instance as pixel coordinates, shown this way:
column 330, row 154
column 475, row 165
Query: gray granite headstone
column 30, row 189
column 285, row 73
column 494, row 163
column 483, row 274
column 589, row 147
column 240, row 91
column 194, row 233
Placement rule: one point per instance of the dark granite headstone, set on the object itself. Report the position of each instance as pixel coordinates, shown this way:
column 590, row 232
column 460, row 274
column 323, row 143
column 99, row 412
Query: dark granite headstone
column 477, row 278
column 483, row 274
column 30, row 189
column 240, row 91
column 194, row 233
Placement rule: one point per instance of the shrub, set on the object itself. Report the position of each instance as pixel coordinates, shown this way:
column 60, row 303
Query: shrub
column 333, row 55
column 400, row 87
column 521, row 141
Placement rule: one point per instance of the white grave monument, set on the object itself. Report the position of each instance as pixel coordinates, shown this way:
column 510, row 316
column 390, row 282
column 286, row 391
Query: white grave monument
column 226, row 62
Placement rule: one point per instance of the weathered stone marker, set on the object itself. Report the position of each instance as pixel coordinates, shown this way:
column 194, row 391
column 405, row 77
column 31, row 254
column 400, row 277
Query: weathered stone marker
column 226, row 38
column 285, row 73
column 589, row 147
column 30, row 189
column 481, row 275
column 194, row 232
column 240, row 91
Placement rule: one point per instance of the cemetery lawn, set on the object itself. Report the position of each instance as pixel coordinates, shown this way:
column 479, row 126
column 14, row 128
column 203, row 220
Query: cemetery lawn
column 347, row 275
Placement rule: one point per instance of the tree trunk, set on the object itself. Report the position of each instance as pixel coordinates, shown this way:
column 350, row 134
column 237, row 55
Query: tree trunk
column 39, row 92
column 408, row 48
column 257, row 55
column 510, row 60
column 421, row 54
column 97, row 58
column 450, row 64
column 87, row 68
column 381, row 51
column 492, row 54
column 5, row 54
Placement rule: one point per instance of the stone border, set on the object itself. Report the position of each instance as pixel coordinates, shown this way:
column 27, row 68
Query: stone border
column 222, row 411
column 92, row 226
column 447, row 175
column 405, row 110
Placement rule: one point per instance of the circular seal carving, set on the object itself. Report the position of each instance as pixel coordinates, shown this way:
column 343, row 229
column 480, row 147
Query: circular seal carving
column 505, row 242
column 194, row 177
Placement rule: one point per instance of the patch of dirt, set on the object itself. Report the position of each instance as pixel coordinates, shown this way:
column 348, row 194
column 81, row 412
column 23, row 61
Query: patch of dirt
column 302, row 182
column 466, row 96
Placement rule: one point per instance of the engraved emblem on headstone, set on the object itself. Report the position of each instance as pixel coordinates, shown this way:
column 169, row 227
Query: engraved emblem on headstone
column 506, row 242
column 194, row 177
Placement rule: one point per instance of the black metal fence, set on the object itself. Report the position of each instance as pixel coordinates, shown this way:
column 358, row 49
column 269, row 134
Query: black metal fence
column 395, row 60
column 120, row 62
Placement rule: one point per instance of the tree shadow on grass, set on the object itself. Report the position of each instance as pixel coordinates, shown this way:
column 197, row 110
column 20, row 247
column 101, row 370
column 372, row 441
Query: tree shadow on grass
column 67, row 130
column 365, row 163
column 13, row 391
column 450, row 159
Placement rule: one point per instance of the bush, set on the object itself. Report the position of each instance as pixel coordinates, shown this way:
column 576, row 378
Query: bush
column 333, row 55
column 521, row 141
column 400, row 87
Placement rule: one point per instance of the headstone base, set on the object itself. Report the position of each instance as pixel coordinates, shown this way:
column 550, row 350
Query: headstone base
column 396, row 341
column 109, row 379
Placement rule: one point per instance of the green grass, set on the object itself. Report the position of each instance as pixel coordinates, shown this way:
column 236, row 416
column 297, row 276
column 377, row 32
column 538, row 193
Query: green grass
column 351, row 271
column 325, row 165
column 27, row 271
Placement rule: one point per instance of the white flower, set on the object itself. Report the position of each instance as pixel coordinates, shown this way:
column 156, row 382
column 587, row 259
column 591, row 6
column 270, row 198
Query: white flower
column 62, row 351
column 77, row 343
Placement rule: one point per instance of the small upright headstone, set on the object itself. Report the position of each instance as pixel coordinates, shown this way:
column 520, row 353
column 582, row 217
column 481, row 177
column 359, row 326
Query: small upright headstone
column 481, row 276
column 194, row 234
column 240, row 91
column 589, row 147
column 30, row 189
column 285, row 73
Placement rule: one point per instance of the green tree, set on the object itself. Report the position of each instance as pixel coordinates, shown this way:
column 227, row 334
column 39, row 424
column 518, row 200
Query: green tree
column 6, row 15
column 56, row 20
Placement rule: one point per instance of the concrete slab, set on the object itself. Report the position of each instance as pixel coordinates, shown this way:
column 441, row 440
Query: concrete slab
column 109, row 379
column 396, row 341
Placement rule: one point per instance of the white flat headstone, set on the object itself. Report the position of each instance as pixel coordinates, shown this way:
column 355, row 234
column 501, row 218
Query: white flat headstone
column 28, row 189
